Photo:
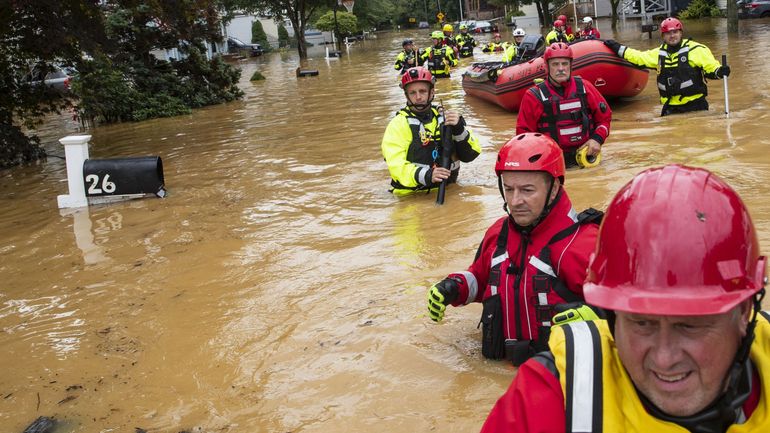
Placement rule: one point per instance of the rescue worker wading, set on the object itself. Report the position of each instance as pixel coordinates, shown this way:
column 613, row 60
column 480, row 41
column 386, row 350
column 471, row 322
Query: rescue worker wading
column 567, row 108
column 682, row 65
column 465, row 42
column 407, row 58
column 685, row 347
column 558, row 34
column 567, row 27
column 449, row 40
column 531, row 260
column 495, row 45
column 412, row 141
column 589, row 32
column 512, row 50
column 439, row 58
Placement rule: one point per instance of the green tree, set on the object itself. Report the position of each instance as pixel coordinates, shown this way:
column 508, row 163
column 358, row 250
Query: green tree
column 35, row 35
column 259, row 36
column 383, row 13
column 347, row 23
column 283, row 36
column 297, row 11
column 130, row 83
column 701, row 9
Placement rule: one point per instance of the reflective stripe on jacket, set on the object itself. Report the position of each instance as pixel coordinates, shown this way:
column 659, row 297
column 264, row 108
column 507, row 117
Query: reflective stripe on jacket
column 600, row 396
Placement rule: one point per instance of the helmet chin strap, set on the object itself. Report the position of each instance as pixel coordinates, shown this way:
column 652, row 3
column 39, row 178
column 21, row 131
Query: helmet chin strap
column 725, row 409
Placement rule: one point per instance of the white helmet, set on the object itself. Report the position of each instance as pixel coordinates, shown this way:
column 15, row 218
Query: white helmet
column 587, row 20
column 519, row 32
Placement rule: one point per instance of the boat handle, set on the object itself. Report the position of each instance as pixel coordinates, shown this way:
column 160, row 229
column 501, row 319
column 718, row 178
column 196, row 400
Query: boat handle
column 600, row 82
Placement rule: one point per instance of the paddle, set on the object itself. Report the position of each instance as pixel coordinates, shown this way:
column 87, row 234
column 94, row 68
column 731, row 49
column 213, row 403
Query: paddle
column 447, row 148
column 727, row 100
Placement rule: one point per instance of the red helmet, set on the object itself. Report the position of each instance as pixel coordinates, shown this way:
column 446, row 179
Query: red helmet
column 557, row 50
column 558, row 23
column 562, row 18
column 413, row 75
column 531, row 151
column 496, row 35
column 675, row 241
column 670, row 24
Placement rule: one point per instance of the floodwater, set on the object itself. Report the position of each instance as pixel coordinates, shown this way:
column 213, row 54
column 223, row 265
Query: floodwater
column 280, row 287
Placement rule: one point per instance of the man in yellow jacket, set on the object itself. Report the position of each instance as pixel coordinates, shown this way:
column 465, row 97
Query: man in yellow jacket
column 412, row 141
column 685, row 347
column 682, row 65
column 439, row 58
column 559, row 34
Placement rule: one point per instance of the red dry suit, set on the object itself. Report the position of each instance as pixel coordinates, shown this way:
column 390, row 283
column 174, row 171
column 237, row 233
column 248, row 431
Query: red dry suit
column 525, row 271
column 571, row 118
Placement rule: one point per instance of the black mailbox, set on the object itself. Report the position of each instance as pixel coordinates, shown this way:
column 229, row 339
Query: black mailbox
column 647, row 28
column 124, row 176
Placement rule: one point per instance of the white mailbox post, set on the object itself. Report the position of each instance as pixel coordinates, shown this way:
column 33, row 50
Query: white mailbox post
column 76, row 153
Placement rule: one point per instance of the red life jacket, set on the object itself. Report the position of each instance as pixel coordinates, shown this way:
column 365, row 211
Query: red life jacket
column 520, row 289
column 566, row 119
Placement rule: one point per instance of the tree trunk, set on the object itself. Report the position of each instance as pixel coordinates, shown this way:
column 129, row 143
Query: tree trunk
column 732, row 16
column 540, row 14
column 547, row 18
column 614, row 5
column 299, row 33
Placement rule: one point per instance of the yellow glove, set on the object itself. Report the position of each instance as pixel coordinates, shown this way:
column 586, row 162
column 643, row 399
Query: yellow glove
column 440, row 295
column 579, row 314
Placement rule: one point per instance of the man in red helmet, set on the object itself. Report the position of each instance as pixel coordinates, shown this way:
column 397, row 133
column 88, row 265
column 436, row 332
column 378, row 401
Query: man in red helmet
column 568, row 109
column 559, row 34
column 567, row 28
column 681, row 64
column 495, row 44
column 683, row 348
column 412, row 141
column 531, row 262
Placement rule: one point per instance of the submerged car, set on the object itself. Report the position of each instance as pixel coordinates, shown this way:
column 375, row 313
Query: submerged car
column 754, row 9
column 59, row 79
column 235, row 45
column 484, row 27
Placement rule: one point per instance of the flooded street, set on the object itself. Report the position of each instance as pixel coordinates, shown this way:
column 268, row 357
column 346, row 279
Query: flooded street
column 279, row 287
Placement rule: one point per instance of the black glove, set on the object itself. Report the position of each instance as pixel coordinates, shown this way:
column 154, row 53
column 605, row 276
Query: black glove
column 722, row 72
column 459, row 128
column 613, row 45
column 442, row 294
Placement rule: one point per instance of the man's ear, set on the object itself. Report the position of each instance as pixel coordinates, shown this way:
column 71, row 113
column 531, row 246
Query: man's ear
column 554, row 189
column 744, row 312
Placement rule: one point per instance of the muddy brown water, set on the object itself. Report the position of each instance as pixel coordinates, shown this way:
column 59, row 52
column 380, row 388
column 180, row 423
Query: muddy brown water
column 279, row 287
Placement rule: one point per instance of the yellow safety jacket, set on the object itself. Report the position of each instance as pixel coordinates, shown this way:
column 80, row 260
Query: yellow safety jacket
column 511, row 51
column 557, row 36
column 680, row 73
column 402, row 58
column 600, row 396
column 411, row 148
column 493, row 46
column 439, row 60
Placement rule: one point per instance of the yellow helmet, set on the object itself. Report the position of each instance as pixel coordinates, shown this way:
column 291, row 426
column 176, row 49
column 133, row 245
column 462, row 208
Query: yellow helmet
column 585, row 161
column 448, row 28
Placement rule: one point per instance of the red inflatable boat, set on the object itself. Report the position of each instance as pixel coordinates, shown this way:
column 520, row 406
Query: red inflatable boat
column 593, row 61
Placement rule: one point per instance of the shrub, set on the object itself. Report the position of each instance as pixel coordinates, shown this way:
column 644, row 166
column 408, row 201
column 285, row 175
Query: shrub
column 258, row 36
column 701, row 9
